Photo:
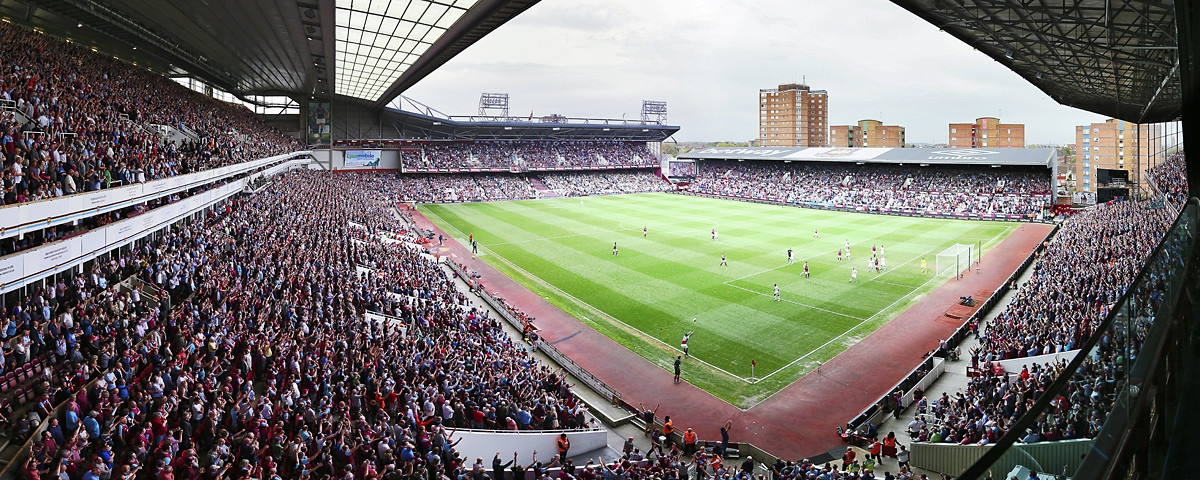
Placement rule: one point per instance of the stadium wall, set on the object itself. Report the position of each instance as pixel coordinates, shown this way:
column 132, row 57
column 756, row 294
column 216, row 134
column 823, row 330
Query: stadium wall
column 352, row 120
column 1014, row 365
column 484, row 443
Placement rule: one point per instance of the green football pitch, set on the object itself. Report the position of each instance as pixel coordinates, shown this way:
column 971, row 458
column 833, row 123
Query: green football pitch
column 646, row 296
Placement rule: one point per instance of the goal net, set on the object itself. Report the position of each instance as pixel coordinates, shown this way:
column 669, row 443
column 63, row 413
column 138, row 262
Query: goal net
column 954, row 260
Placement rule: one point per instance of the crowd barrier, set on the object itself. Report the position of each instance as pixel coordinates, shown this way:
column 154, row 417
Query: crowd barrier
column 952, row 459
column 565, row 362
column 472, row 444
column 32, row 216
column 1013, row 365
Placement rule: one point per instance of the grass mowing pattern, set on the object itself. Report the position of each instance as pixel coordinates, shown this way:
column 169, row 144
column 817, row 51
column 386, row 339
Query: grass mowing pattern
column 645, row 297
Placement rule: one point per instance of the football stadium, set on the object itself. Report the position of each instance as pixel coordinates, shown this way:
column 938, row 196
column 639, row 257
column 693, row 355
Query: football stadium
column 234, row 246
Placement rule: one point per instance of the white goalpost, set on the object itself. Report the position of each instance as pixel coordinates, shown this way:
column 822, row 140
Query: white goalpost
column 952, row 261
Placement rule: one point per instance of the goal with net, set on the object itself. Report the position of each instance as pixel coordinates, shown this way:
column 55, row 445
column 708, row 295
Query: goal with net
column 954, row 260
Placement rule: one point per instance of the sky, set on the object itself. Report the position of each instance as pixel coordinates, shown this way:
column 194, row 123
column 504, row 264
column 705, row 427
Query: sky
column 708, row 58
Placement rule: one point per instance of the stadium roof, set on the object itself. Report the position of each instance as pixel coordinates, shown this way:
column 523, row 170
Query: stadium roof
column 417, row 125
column 1035, row 157
column 368, row 50
column 1115, row 58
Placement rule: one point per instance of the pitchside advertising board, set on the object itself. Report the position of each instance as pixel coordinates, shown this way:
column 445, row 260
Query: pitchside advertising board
column 363, row 158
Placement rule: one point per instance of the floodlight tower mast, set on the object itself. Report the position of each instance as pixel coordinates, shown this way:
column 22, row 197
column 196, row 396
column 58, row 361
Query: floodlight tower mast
column 654, row 112
column 493, row 106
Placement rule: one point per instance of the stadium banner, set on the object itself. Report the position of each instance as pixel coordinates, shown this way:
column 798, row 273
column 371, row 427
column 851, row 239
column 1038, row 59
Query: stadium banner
column 11, row 270
column 363, row 158
column 842, row 153
column 318, row 123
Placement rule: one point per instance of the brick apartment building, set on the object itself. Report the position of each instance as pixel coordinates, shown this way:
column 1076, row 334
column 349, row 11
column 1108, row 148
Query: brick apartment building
column 793, row 115
column 987, row 132
column 866, row 133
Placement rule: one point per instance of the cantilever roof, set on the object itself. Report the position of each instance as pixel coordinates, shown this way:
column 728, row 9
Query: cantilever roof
column 369, row 50
column 1034, row 157
column 1115, row 58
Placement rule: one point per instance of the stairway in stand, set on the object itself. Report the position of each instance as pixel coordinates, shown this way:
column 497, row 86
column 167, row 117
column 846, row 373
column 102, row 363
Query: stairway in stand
column 543, row 191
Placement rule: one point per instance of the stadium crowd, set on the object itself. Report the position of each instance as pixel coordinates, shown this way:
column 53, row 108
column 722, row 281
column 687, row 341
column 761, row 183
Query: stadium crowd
column 76, row 121
column 481, row 187
column 1091, row 262
column 528, row 155
column 601, row 183
column 1171, row 179
column 265, row 366
column 945, row 190
column 665, row 461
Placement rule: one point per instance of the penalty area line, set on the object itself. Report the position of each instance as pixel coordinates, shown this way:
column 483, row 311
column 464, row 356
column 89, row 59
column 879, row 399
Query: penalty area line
column 805, row 305
column 856, row 327
column 931, row 279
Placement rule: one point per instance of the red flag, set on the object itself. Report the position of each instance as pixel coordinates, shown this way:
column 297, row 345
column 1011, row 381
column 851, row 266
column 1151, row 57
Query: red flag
column 753, row 363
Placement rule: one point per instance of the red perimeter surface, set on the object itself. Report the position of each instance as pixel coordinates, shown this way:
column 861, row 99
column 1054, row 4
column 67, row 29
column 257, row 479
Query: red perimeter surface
column 800, row 420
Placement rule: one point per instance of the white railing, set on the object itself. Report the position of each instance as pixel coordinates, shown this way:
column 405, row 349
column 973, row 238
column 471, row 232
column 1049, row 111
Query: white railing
column 23, row 268
column 32, row 216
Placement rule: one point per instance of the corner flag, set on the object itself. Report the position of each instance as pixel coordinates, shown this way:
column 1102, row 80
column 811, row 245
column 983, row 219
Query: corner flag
column 753, row 363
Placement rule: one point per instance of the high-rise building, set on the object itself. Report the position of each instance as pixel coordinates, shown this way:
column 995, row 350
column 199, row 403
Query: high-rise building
column 867, row 133
column 1114, row 144
column 793, row 115
column 987, row 132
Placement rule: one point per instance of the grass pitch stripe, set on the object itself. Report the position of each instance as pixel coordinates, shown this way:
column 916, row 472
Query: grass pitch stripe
column 645, row 298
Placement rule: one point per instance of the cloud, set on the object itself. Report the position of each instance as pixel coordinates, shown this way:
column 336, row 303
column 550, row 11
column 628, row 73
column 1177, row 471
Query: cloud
column 707, row 59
